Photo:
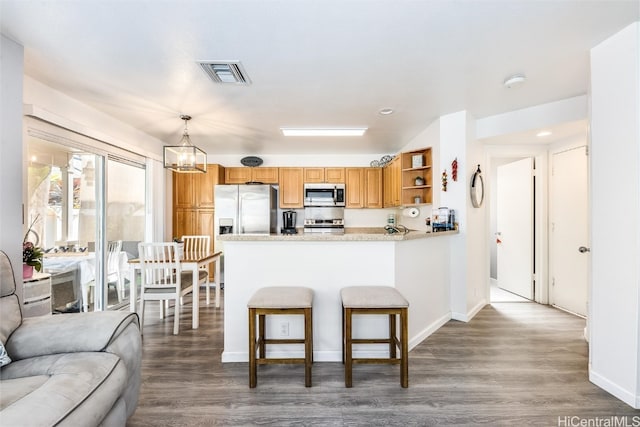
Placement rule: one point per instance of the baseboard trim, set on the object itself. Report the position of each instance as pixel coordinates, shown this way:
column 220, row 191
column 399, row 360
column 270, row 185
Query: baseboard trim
column 625, row 395
column 466, row 317
column 434, row 326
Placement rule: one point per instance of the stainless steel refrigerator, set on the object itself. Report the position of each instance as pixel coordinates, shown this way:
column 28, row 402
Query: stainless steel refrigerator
column 244, row 209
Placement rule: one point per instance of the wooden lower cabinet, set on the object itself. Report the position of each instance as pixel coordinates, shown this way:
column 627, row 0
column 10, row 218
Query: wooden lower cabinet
column 194, row 222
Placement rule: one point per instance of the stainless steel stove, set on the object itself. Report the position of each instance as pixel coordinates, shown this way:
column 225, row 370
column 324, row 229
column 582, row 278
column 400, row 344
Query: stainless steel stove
column 324, row 220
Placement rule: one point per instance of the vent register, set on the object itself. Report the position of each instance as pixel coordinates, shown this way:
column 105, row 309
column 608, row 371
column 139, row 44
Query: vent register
column 227, row 72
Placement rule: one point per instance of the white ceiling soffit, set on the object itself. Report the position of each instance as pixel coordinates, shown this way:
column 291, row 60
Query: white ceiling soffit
column 227, row 72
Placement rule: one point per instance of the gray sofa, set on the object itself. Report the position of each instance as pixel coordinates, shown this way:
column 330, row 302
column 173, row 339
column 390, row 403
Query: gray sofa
column 80, row 369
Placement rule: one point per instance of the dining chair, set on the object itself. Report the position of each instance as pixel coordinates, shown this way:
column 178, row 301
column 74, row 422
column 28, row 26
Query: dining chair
column 201, row 244
column 114, row 276
column 162, row 279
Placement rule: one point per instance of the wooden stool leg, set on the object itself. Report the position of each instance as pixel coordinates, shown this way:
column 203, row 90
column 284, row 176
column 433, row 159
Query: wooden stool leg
column 308, row 347
column 343, row 335
column 404, row 358
column 348, row 349
column 253, row 377
column 261, row 336
column 392, row 336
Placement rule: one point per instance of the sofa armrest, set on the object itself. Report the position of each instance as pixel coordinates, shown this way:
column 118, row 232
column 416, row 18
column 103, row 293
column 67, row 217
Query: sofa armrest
column 67, row 333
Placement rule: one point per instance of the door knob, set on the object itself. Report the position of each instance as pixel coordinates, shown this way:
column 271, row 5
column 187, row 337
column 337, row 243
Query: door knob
column 583, row 249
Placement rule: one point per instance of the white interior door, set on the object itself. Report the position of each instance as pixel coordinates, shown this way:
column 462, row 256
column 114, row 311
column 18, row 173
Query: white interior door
column 514, row 218
column 569, row 230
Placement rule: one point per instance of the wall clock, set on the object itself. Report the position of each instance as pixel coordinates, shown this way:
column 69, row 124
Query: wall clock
column 477, row 188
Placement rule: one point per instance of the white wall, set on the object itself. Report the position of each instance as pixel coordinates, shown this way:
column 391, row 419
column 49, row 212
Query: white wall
column 11, row 153
column 615, row 188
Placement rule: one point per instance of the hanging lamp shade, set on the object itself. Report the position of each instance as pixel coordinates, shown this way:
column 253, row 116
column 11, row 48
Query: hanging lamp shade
column 185, row 157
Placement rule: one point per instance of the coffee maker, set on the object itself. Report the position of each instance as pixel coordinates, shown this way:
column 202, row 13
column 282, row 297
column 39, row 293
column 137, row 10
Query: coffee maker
column 289, row 222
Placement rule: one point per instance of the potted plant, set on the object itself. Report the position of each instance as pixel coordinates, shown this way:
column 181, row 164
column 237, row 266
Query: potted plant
column 31, row 258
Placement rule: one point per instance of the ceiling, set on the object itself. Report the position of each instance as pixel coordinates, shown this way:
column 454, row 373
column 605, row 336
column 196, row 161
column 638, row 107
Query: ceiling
column 311, row 63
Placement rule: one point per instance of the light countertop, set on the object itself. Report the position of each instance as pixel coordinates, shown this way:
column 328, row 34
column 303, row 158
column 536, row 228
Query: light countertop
column 351, row 234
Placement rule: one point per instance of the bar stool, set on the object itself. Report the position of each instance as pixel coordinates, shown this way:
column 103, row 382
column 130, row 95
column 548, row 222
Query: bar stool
column 378, row 300
column 273, row 301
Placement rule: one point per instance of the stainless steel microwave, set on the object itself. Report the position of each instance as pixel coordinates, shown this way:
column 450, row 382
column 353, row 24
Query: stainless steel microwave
column 318, row 195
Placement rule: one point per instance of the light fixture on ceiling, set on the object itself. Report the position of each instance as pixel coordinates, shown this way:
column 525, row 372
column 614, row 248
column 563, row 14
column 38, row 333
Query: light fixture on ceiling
column 514, row 81
column 385, row 111
column 543, row 133
column 185, row 157
column 323, row 131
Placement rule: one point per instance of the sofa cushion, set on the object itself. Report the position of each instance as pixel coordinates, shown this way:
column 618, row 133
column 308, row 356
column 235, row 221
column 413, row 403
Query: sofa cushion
column 62, row 388
column 9, row 304
column 67, row 333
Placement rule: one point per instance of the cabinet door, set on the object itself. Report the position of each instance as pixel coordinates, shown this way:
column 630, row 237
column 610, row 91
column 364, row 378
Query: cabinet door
column 204, row 219
column 313, row 174
column 391, row 183
column 265, row 175
column 291, row 183
column 184, row 222
column 334, row 175
column 237, row 175
column 203, row 188
column 373, row 187
column 183, row 193
column 354, row 187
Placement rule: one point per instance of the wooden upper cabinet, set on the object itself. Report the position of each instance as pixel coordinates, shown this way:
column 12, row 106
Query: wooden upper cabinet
column 264, row 175
column 373, row 187
column 291, row 181
column 332, row 175
column 354, row 187
column 237, row 175
column 195, row 190
column 242, row 175
column 391, row 183
column 364, row 187
column 183, row 190
column 313, row 174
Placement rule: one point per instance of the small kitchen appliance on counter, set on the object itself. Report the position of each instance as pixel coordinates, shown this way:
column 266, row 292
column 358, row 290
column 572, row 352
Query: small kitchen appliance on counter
column 289, row 222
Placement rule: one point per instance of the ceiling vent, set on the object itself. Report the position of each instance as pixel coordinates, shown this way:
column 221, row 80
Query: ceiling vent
column 230, row 72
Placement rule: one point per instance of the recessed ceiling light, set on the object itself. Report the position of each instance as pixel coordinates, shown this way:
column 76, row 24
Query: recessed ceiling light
column 323, row 131
column 543, row 133
column 514, row 81
column 386, row 111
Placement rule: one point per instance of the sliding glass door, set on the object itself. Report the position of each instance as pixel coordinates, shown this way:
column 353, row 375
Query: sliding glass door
column 85, row 209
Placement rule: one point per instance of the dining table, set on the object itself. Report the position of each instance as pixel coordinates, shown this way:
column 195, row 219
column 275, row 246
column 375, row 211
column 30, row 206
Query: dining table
column 82, row 267
column 189, row 261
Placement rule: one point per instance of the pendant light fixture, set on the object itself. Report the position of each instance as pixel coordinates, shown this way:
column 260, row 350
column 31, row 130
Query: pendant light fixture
column 185, row 157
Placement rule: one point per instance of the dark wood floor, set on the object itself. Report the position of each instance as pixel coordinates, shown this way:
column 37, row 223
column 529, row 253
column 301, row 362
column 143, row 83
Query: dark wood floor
column 513, row 364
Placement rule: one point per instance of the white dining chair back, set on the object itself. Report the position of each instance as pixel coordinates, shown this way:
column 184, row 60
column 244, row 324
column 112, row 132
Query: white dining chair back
column 199, row 245
column 161, row 278
column 114, row 275
column 113, row 267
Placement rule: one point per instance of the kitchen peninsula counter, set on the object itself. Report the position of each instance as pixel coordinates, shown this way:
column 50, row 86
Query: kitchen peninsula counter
column 417, row 263
column 350, row 234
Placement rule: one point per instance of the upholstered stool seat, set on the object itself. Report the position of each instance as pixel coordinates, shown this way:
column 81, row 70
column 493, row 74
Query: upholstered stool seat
column 281, row 300
column 357, row 300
